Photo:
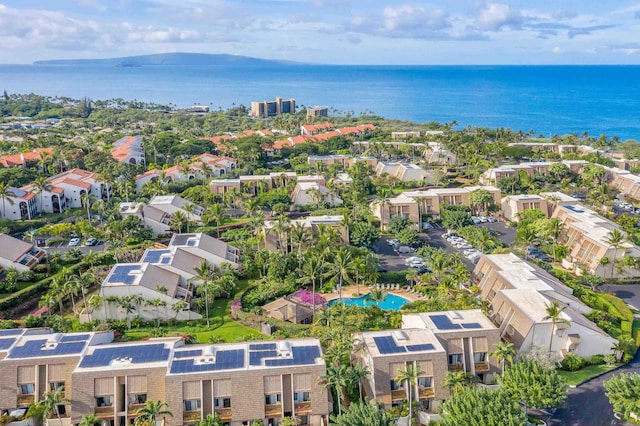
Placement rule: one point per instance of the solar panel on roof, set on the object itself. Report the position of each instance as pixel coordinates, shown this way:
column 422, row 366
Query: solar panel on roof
column 6, row 343
column 11, row 332
column 224, row 360
column 153, row 256
column 471, row 325
column 187, row 354
column 36, row 348
column 420, row 347
column 137, row 354
column 386, row 345
column 181, row 239
column 74, row 338
column 255, row 357
column 262, row 346
column 442, row 322
column 165, row 260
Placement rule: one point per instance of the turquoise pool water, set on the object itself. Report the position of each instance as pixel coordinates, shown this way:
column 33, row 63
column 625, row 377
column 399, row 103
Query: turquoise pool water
column 393, row 302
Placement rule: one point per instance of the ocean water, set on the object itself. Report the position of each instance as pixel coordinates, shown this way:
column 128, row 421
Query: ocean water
column 546, row 99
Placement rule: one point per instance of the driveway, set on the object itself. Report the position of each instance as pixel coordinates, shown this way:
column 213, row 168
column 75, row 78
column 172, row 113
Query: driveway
column 630, row 293
column 505, row 232
column 587, row 404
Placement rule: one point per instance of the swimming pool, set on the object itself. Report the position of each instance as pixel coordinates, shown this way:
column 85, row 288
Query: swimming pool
column 393, row 302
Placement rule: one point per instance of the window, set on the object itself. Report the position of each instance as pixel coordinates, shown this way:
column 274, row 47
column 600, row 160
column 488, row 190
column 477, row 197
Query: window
column 301, row 397
column 272, row 398
column 137, row 398
column 425, row 382
column 455, row 359
column 395, row 385
column 104, row 401
column 54, row 386
column 479, row 356
column 62, row 410
column 304, row 420
column 275, row 421
column 27, row 389
column 191, row 404
column 221, row 403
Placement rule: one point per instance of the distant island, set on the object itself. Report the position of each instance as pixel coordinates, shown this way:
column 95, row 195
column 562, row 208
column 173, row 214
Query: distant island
column 196, row 59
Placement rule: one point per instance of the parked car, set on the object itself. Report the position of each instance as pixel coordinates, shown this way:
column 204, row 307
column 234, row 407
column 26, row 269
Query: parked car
column 416, row 264
column 91, row 242
column 449, row 235
column 492, row 219
column 424, row 270
column 467, row 252
column 74, row 241
column 405, row 250
column 392, row 242
column 382, row 268
column 408, row 260
column 465, row 246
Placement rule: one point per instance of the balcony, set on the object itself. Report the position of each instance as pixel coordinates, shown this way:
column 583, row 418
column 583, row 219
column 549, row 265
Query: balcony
column 424, row 393
column 104, row 411
column 272, row 410
column 398, row 394
column 133, row 408
column 481, row 366
column 25, row 399
column 224, row 413
column 456, row 367
column 302, row 408
column 191, row 416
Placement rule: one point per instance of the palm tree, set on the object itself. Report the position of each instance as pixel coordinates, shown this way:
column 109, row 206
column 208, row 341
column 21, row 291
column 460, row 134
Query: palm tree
column 282, row 226
column 615, row 239
column 456, row 381
column 377, row 295
column 215, row 214
column 504, row 351
column 359, row 372
column 177, row 221
column 204, row 273
column 299, row 237
column 410, row 376
column 90, row 420
column 336, row 378
column 178, row 307
column 189, row 208
column 151, row 411
column 342, row 267
column 211, row 420
column 5, row 194
column 313, row 269
column 87, row 201
column 41, row 185
column 554, row 313
column 49, row 403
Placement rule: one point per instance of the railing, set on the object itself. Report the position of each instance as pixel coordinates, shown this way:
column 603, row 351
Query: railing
column 302, row 408
column 456, row 367
column 398, row 394
column 272, row 410
column 482, row 366
column 25, row 399
column 132, row 408
column 107, row 410
column 426, row 393
column 191, row 416
column 224, row 413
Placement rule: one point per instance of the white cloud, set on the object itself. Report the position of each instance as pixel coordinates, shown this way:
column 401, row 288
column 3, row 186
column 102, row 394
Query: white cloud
column 497, row 16
column 557, row 50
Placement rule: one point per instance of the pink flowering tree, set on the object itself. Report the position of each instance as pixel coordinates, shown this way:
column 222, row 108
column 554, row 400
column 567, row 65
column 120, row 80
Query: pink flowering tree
column 309, row 298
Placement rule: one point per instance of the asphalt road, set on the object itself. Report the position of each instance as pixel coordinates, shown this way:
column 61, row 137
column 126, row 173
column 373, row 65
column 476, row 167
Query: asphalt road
column 587, row 404
column 630, row 293
column 64, row 247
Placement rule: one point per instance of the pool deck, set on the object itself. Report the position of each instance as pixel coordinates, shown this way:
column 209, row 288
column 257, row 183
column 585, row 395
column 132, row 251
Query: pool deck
column 349, row 291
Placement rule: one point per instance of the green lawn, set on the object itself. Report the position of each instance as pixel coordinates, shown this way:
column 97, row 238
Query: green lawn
column 19, row 286
column 230, row 331
column 575, row 378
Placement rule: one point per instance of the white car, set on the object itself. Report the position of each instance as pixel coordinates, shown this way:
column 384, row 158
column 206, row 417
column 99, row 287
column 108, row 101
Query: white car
column 74, row 242
column 417, row 264
column 470, row 251
column 465, row 246
column 408, row 260
column 492, row 219
column 392, row 242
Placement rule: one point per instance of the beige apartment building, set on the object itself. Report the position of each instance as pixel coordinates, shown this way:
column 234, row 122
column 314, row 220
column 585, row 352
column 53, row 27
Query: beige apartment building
column 435, row 343
column 241, row 382
column 343, row 160
column 513, row 205
column 628, row 185
column 519, row 293
column 413, row 204
column 494, row 175
column 587, row 235
column 266, row 109
column 275, row 241
column 555, row 199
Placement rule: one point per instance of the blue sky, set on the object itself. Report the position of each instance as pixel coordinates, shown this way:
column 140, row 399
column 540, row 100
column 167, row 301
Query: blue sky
column 327, row 31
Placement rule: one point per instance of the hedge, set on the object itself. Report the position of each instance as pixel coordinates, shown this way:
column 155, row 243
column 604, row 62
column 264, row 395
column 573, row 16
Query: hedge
column 393, row 277
column 620, row 306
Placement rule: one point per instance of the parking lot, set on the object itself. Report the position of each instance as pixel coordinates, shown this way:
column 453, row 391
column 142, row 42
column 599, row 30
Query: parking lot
column 393, row 261
column 63, row 247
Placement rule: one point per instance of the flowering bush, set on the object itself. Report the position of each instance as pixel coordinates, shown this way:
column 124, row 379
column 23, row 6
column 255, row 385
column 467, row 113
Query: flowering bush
column 307, row 297
column 236, row 305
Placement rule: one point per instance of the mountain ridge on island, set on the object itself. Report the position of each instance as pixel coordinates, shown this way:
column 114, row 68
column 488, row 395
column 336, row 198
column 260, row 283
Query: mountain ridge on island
column 177, row 58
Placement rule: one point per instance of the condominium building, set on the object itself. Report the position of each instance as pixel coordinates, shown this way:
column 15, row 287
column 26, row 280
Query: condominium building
column 432, row 342
column 256, row 184
column 519, row 294
column 18, row 254
column 266, row 109
column 19, row 205
column 436, row 153
column 241, row 382
column 513, row 205
column 587, row 235
column 163, row 277
column 404, row 172
column 628, row 185
column 494, row 175
column 556, row 198
column 275, row 241
column 314, row 193
column 343, row 160
column 129, row 150
column 318, row 111
column 414, row 204
column 404, row 135
column 73, row 184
